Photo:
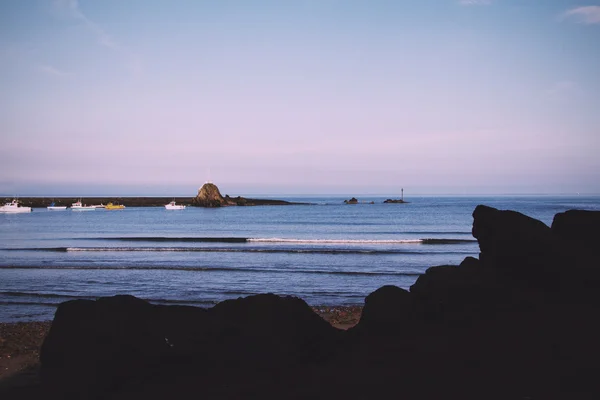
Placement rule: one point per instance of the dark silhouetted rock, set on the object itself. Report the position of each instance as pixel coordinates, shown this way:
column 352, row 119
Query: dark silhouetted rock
column 579, row 227
column 285, row 329
column 385, row 311
column 461, row 293
column 519, row 246
column 509, row 239
column 95, row 347
column 578, row 234
column 535, row 254
column 351, row 201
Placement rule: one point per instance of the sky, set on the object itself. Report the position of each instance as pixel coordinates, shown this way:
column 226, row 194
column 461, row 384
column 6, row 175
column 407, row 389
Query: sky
column 148, row 97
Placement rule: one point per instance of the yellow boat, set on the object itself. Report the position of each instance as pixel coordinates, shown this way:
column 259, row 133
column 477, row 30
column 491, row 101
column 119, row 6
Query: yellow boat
column 111, row 206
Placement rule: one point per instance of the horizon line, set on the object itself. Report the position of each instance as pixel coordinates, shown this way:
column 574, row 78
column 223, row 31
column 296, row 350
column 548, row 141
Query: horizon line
column 593, row 194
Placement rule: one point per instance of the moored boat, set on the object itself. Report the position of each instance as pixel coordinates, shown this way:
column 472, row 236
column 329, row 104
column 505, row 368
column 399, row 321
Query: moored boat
column 54, row 207
column 173, row 206
column 98, row 205
column 13, row 207
column 111, row 206
column 77, row 206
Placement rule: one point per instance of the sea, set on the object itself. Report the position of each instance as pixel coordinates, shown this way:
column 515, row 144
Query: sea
column 326, row 252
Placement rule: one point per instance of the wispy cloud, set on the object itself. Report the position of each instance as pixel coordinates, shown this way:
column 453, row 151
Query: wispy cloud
column 50, row 70
column 71, row 7
column 583, row 15
column 475, row 2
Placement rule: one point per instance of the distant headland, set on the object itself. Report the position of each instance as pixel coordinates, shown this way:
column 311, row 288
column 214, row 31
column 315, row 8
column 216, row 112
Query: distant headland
column 208, row 196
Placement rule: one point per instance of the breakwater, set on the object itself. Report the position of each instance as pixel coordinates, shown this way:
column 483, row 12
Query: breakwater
column 42, row 202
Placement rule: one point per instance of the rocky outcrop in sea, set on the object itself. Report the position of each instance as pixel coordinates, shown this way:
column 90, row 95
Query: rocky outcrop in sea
column 210, row 196
column 519, row 322
column 395, row 201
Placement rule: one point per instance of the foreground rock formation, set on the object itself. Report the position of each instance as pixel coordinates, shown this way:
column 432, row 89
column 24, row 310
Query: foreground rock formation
column 520, row 322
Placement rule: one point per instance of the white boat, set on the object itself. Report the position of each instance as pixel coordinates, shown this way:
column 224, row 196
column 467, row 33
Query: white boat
column 99, row 206
column 77, row 206
column 173, row 206
column 14, row 207
column 53, row 207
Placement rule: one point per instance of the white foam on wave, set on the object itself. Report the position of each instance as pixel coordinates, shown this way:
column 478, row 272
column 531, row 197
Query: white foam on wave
column 129, row 249
column 334, row 241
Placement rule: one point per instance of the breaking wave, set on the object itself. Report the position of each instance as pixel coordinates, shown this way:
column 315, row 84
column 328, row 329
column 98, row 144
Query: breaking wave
column 294, row 250
column 283, row 240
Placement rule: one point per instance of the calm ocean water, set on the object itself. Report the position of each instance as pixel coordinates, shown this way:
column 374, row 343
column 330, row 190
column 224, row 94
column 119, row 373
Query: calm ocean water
column 327, row 253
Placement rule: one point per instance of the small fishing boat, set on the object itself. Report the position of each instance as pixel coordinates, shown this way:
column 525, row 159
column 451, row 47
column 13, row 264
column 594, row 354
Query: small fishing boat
column 77, row 206
column 173, row 206
column 54, row 207
column 13, row 207
column 99, row 206
column 111, row 206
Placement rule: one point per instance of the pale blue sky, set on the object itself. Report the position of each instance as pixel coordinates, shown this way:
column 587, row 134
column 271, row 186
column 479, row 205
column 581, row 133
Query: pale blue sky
column 292, row 97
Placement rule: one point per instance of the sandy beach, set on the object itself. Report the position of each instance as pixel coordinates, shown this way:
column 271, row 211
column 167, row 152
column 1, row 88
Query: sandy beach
column 19, row 346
